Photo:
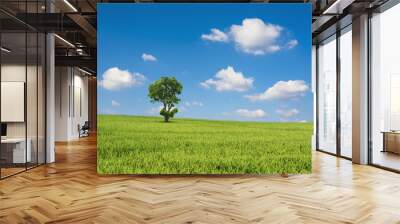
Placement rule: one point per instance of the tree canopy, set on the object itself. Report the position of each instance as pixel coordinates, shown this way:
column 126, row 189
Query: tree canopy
column 166, row 90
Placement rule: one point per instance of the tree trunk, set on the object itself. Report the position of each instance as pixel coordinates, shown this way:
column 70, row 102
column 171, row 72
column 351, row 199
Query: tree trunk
column 166, row 118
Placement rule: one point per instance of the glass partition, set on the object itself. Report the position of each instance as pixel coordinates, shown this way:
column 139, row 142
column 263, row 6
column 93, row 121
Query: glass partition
column 13, row 94
column 22, row 88
column 327, row 95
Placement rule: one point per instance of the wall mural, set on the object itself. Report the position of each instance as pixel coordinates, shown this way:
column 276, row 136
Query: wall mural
column 204, row 89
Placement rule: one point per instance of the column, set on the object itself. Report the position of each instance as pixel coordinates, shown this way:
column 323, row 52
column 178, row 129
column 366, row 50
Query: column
column 360, row 90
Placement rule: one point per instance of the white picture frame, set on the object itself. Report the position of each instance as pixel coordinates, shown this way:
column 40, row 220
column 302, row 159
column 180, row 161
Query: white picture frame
column 12, row 101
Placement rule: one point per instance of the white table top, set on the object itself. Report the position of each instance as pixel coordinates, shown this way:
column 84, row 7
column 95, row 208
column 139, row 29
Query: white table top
column 391, row 132
column 13, row 140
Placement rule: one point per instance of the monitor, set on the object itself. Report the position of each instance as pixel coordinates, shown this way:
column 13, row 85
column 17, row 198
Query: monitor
column 3, row 129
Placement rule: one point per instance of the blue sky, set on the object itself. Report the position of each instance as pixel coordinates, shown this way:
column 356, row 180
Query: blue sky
column 235, row 61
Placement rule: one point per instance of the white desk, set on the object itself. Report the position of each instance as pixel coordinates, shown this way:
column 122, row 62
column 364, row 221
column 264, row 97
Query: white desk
column 19, row 153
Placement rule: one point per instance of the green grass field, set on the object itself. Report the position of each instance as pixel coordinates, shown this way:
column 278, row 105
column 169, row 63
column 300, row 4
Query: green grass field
column 147, row 145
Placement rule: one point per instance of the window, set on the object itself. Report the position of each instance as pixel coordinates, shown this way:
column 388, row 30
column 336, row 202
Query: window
column 385, row 89
column 346, row 92
column 327, row 95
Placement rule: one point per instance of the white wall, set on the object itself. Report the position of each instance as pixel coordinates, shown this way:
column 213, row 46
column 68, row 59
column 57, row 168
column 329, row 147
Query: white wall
column 33, row 126
column 71, row 87
column 17, row 73
column 14, row 73
column 62, row 82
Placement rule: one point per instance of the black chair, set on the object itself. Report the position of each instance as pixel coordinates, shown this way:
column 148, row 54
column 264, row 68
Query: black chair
column 84, row 130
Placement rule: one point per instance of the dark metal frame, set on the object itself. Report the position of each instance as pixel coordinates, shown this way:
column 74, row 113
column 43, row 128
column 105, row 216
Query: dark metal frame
column 338, row 76
column 369, row 90
column 316, row 97
column 26, row 88
column 0, row 91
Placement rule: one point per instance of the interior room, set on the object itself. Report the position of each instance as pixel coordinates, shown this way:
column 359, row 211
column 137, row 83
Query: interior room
column 22, row 100
column 25, row 68
column 71, row 111
column 49, row 105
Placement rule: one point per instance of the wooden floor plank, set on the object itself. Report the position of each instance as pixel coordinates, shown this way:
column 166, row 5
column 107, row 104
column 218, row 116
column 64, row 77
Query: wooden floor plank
column 70, row 191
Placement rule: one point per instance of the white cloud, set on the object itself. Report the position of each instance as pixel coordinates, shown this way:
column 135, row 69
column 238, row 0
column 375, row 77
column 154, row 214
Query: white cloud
column 115, row 103
column 229, row 80
column 303, row 121
column 185, row 106
column 254, row 36
column 148, row 57
column 282, row 90
column 154, row 110
column 182, row 109
column 251, row 113
column 216, row 35
column 116, row 79
column 292, row 43
column 287, row 113
column 107, row 111
column 193, row 104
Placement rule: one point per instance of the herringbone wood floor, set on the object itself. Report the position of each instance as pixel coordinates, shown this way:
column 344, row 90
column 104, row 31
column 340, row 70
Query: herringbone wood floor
column 70, row 191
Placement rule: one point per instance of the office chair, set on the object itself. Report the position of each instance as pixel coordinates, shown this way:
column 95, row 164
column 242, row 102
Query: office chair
column 84, row 130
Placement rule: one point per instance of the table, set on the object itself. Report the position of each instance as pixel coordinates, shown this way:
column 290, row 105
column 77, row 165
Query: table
column 13, row 150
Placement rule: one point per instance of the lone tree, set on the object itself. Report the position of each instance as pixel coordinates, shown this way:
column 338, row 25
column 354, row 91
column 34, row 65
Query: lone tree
column 166, row 91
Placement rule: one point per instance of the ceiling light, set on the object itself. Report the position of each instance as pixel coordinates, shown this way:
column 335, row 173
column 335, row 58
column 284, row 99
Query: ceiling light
column 79, row 51
column 337, row 7
column 70, row 5
column 333, row 6
column 84, row 71
column 5, row 50
column 65, row 41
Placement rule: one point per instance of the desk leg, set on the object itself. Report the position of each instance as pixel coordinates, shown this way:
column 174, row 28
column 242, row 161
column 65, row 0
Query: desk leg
column 384, row 142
